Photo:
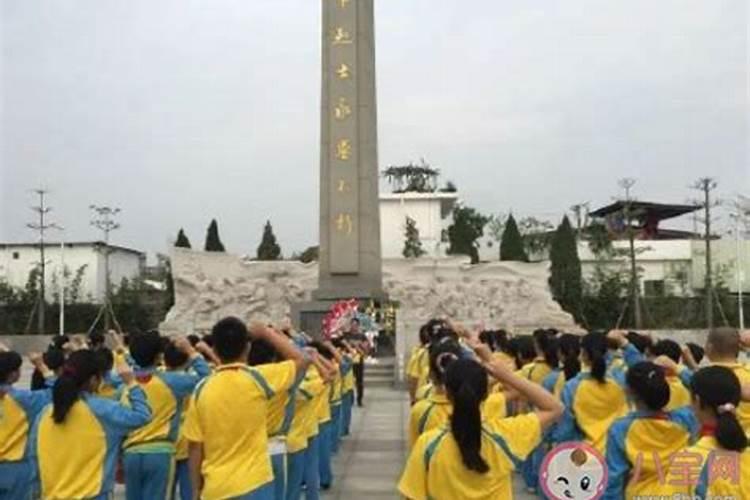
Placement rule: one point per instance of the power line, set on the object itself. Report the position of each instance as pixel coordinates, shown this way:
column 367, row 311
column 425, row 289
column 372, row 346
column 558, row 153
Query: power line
column 103, row 219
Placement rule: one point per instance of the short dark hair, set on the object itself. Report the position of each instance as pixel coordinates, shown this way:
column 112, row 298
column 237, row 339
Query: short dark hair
column 145, row 348
column 668, row 348
column 9, row 362
column 261, row 353
column 230, row 339
column 173, row 357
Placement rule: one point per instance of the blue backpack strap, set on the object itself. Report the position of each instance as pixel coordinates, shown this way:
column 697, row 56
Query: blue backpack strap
column 498, row 440
column 425, row 416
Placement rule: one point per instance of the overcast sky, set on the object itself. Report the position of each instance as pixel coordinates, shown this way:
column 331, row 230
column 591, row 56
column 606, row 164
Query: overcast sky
column 179, row 111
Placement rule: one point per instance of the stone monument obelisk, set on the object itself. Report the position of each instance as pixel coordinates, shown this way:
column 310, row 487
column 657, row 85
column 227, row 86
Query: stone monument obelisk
column 350, row 263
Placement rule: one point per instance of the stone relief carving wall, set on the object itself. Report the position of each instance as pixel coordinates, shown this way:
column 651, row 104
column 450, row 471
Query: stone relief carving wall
column 515, row 296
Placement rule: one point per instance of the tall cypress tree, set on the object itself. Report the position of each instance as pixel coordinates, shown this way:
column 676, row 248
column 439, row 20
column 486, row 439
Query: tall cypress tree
column 511, row 244
column 213, row 242
column 268, row 249
column 565, row 276
column 182, row 240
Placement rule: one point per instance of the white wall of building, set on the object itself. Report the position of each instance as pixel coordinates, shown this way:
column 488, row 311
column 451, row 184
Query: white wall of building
column 432, row 213
column 17, row 261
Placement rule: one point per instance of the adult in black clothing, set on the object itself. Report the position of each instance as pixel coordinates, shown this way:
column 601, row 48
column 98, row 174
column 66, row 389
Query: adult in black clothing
column 359, row 341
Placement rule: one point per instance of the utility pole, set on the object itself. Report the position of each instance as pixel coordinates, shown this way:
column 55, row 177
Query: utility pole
column 41, row 226
column 103, row 219
column 706, row 185
column 635, row 286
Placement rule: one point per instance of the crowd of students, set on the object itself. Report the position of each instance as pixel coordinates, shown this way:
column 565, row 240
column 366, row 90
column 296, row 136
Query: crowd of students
column 488, row 405
column 246, row 412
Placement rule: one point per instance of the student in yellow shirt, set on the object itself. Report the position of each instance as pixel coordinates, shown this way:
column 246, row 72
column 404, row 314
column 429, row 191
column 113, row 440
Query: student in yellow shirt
column 418, row 362
column 300, row 431
column 228, row 457
column 18, row 410
column 281, row 410
column 325, row 371
column 679, row 395
column 435, row 410
column 77, row 439
column 722, row 349
column 471, row 458
column 716, row 393
column 641, row 445
column 148, row 453
column 594, row 399
column 176, row 360
column 545, row 363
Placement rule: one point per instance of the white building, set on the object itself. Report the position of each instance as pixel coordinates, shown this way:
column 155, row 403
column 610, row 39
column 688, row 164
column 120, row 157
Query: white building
column 432, row 213
column 17, row 260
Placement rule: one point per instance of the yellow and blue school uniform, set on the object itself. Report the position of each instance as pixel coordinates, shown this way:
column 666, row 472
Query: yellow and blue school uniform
column 536, row 371
column 325, row 436
column 281, row 410
column 743, row 374
column 591, row 407
column 303, row 428
column 435, row 412
column 732, row 482
column 149, row 452
column 337, row 404
column 18, row 411
column 645, row 441
column 679, row 395
column 418, row 367
column 228, row 417
column 347, row 393
column 428, row 414
column 435, row 469
column 320, row 414
column 77, row 458
column 182, row 468
column 111, row 387
column 424, row 392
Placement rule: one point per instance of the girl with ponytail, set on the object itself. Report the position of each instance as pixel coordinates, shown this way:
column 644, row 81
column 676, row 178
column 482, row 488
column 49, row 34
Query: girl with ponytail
column 434, row 409
column 474, row 457
column 76, row 440
column 593, row 399
column 716, row 394
column 650, row 435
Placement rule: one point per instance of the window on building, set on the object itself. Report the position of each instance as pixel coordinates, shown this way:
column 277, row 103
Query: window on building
column 16, row 255
column 654, row 288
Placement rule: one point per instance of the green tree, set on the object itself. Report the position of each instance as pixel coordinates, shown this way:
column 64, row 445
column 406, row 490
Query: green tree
column 311, row 254
column 182, row 240
column 565, row 276
column 412, row 244
column 511, row 245
column 268, row 249
column 467, row 228
column 213, row 242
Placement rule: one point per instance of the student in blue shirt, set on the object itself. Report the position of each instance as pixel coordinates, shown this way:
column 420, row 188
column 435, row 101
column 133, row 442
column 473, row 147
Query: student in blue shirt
column 640, row 445
column 18, row 410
